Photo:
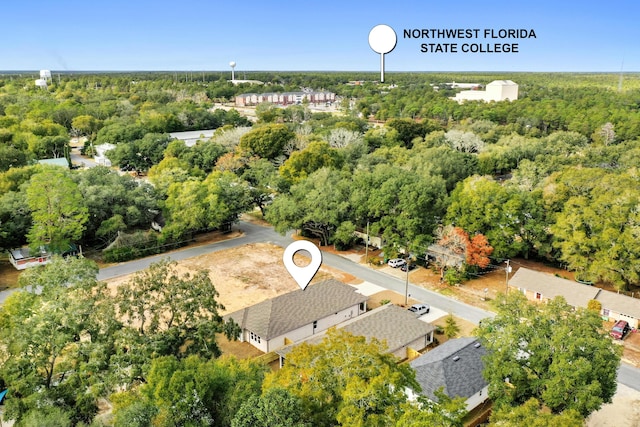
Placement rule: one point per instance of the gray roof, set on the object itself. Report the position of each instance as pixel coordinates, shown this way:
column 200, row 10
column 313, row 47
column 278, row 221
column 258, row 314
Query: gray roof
column 576, row 294
column 455, row 365
column 620, row 303
column 284, row 313
column 395, row 325
column 550, row 286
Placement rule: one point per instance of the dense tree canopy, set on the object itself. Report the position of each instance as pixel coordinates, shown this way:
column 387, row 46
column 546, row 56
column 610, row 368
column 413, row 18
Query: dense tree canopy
column 551, row 352
column 67, row 340
column 58, row 210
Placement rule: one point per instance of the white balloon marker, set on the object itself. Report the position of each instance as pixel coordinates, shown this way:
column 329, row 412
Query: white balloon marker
column 302, row 275
column 382, row 39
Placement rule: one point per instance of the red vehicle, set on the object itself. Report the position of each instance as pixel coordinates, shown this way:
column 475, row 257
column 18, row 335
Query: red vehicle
column 620, row 329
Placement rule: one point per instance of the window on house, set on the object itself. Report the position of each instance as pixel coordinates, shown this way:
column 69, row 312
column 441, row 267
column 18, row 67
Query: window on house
column 254, row 337
column 361, row 306
column 605, row 312
column 538, row 296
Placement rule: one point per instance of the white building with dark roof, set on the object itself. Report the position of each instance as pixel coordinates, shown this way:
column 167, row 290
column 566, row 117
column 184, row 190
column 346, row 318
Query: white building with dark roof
column 455, row 366
column 296, row 315
column 399, row 328
column 541, row 287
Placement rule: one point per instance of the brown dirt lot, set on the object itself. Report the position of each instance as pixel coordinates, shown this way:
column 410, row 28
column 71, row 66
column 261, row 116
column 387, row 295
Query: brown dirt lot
column 248, row 274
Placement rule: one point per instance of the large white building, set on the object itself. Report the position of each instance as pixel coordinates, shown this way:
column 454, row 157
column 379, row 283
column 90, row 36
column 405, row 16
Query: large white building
column 497, row 90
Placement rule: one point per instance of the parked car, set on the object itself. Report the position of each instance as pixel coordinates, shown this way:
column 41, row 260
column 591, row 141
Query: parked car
column 409, row 266
column 396, row 262
column 419, row 309
column 620, row 329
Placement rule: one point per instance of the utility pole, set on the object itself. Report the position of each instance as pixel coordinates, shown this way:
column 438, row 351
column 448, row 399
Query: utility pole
column 366, row 250
column 406, row 284
column 507, row 270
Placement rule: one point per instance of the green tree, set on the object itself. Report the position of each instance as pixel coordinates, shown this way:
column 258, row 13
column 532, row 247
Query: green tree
column 345, row 380
column 11, row 157
column 192, row 391
column 87, row 125
column 596, row 229
column 451, row 328
column 446, row 412
column 15, row 220
column 552, row 352
column 57, row 209
column 50, row 147
column 532, row 414
column 316, row 155
column 195, row 205
column 400, row 205
column 114, row 202
column 452, row 165
column 277, row 407
column 264, row 181
column 177, row 314
column 318, row 205
column 266, row 141
column 513, row 220
column 55, row 343
column 141, row 153
column 407, row 130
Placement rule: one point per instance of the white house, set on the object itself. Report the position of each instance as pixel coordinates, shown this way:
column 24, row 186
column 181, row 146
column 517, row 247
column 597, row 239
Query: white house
column 402, row 331
column 457, row 367
column 101, row 157
column 541, row 287
column 294, row 316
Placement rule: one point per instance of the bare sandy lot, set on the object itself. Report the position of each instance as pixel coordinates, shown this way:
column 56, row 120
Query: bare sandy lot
column 248, row 274
column 624, row 411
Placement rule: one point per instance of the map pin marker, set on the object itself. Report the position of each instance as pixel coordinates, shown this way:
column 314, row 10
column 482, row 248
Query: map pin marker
column 302, row 275
column 382, row 39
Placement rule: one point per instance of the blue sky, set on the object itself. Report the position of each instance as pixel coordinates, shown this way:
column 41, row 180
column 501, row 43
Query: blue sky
column 328, row 35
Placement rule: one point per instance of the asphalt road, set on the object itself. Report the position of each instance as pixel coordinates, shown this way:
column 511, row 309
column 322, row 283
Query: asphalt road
column 255, row 233
column 627, row 374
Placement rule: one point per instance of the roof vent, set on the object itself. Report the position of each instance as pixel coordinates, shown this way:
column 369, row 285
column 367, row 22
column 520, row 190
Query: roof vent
column 477, row 345
column 456, row 358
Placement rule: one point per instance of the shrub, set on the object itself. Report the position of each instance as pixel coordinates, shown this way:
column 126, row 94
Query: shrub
column 594, row 305
column 454, row 276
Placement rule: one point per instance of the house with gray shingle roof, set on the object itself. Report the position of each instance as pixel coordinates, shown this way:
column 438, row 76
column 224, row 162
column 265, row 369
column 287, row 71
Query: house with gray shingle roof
column 455, row 366
column 538, row 286
column 296, row 315
column 619, row 307
column 399, row 328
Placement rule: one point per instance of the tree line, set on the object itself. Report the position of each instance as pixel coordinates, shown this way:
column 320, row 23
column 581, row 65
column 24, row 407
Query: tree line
column 531, row 175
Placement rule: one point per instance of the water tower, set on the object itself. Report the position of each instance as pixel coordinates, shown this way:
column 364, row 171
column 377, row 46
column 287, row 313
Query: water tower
column 232, row 64
column 45, row 75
